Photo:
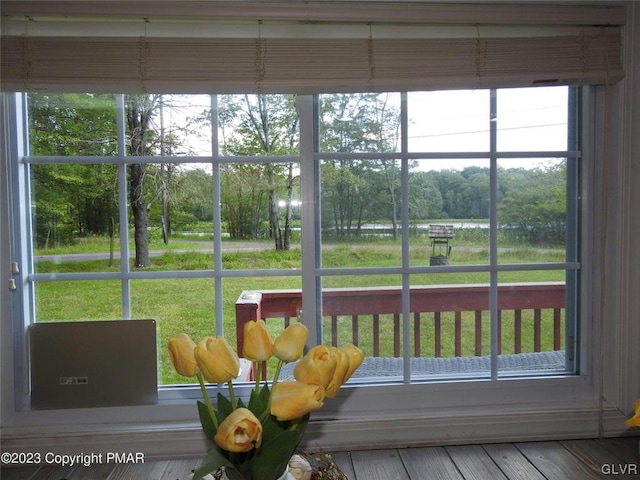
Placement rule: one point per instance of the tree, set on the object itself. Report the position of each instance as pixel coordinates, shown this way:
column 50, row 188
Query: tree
column 536, row 212
column 260, row 125
column 192, row 191
column 72, row 199
column 425, row 200
column 475, row 194
column 139, row 110
column 447, row 181
column 354, row 123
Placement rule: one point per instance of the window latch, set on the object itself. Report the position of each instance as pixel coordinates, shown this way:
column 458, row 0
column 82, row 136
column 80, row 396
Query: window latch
column 15, row 269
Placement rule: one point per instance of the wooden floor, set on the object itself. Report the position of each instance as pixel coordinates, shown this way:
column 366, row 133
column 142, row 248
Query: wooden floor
column 558, row 460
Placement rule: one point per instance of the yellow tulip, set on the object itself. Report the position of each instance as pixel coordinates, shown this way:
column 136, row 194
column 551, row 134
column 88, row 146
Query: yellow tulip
column 635, row 420
column 316, row 367
column 181, row 350
column 217, row 361
column 356, row 357
column 241, row 431
column 258, row 344
column 292, row 399
column 339, row 374
column 289, row 345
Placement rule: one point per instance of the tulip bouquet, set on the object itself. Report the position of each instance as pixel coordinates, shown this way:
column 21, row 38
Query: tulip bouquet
column 255, row 440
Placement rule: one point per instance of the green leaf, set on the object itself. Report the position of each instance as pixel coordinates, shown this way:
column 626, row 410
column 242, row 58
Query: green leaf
column 264, row 394
column 280, row 441
column 257, row 404
column 206, row 421
column 212, row 462
column 235, row 475
column 224, row 407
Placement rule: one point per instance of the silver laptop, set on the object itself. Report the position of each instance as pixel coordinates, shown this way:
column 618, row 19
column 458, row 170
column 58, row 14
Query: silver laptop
column 93, row 364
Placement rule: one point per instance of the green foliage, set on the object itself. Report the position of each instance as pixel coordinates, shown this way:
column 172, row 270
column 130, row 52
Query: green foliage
column 280, row 439
column 72, row 201
column 356, row 191
column 255, row 125
column 536, row 213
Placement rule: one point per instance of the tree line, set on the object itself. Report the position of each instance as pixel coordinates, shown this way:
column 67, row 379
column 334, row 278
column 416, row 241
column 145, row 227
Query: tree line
column 258, row 199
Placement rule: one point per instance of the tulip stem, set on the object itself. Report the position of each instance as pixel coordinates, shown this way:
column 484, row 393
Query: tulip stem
column 232, row 395
column 207, row 400
column 258, row 375
column 277, row 374
column 267, row 412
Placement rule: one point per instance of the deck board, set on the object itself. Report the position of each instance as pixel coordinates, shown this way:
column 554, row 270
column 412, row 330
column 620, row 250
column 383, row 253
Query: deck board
column 379, row 465
column 430, row 462
column 343, row 461
column 96, row 472
column 555, row 460
column 626, row 448
column 512, row 462
column 51, row 473
column 475, row 463
column 148, row 469
column 179, row 469
column 23, row 473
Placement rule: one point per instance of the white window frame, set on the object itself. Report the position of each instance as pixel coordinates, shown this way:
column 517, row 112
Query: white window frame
column 311, row 243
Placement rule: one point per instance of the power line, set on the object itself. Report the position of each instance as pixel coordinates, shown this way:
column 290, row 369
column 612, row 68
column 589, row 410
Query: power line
column 487, row 130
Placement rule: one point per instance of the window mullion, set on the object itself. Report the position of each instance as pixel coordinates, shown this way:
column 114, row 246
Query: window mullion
column 493, row 232
column 309, row 196
column 217, row 218
column 19, row 190
column 123, row 209
column 406, row 278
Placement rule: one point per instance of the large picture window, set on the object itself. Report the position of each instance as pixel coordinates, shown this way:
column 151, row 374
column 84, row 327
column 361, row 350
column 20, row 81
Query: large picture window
column 445, row 222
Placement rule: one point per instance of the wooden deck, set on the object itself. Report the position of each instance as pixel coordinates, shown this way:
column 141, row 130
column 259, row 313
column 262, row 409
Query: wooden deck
column 557, row 460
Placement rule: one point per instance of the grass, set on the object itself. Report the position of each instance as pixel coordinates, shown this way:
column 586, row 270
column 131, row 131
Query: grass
column 187, row 305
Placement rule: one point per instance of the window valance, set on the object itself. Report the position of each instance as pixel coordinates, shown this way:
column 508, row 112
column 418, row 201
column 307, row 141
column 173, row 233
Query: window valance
column 245, row 55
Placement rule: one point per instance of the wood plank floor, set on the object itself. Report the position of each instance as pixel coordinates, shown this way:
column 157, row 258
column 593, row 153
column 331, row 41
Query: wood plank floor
column 558, row 460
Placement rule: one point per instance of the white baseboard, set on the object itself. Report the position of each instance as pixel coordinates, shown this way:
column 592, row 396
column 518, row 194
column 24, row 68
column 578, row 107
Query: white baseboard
column 410, row 430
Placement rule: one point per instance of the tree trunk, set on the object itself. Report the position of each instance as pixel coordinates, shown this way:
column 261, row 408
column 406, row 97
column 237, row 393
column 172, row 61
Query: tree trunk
column 286, row 242
column 274, row 223
column 139, row 110
column 139, row 211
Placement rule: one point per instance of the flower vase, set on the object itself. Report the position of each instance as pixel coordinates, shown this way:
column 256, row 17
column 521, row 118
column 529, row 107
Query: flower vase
column 285, row 476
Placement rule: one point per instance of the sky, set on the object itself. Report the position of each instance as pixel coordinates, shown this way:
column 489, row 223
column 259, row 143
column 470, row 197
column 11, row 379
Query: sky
column 532, row 119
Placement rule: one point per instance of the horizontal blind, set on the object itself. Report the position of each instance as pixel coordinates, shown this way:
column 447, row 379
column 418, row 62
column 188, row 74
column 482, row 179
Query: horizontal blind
column 447, row 12
column 307, row 65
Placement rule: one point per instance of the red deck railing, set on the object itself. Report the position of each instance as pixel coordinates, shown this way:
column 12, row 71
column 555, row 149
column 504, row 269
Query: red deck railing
column 373, row 307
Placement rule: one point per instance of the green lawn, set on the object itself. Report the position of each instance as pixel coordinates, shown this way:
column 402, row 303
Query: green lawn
column 187, row 305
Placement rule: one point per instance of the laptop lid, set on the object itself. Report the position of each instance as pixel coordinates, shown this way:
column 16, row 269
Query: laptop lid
column 93, row 364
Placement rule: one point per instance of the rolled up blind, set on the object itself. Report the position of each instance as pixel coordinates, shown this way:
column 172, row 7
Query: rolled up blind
column 298, row 59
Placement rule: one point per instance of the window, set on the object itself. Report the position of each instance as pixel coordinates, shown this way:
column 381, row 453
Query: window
column 398, row 169
column 124, row 220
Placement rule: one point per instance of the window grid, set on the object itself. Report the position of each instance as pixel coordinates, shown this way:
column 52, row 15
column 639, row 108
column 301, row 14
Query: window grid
column 311, row 244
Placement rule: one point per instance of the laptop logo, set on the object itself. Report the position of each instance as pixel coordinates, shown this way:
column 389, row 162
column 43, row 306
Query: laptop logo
column 74, row 380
